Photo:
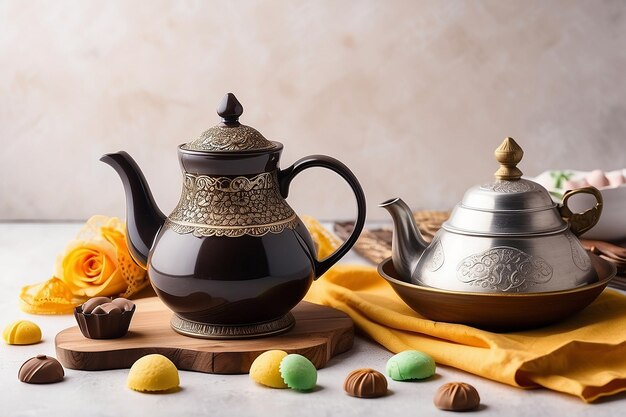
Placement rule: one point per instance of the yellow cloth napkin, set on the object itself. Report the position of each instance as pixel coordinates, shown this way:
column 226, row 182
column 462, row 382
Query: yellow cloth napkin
column 583, row 356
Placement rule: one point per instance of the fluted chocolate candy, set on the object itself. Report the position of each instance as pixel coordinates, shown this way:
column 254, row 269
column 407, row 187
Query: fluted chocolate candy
column 41, row 369
column 103, row 318
column 365, row 383
column 456, row 396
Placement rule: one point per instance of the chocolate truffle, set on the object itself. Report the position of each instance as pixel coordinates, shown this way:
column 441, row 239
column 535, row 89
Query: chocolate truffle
column 107, row 308
column 365, row 383
column 41, row 369
column 456, row 396
column 101, row 318
column 89, row 305
column 123, row 304
column 410, row 364
column 22, row 332
column 298, row 372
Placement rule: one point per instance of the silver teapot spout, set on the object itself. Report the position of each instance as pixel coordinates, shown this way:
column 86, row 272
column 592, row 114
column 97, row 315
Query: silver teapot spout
column 407, row 245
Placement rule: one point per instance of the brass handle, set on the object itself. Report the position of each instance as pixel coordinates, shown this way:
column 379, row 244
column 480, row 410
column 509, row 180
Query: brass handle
column 581, row 222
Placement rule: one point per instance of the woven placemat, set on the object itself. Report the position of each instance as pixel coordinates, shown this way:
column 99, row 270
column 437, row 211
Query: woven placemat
column 375, row 244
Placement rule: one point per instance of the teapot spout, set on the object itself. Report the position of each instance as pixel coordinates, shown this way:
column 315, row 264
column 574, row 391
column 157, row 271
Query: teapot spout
column 143, row 217
column 408, row 244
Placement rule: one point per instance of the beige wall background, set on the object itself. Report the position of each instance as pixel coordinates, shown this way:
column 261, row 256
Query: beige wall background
column 412, row 95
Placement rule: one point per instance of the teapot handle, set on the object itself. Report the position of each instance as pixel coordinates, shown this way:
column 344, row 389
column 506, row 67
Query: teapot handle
column 581, row 222
column 284, row 179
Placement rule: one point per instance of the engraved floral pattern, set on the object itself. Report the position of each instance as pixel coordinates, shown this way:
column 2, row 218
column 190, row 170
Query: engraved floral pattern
column 228, row 139
column 519, row 186
column 437, row 257
column 223, row 206
column 504, row 269
column 579, row 256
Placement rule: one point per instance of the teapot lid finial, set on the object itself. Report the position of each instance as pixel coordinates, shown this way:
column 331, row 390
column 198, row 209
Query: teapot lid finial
column 230, row 109
column 230, row 135
column 509, row 154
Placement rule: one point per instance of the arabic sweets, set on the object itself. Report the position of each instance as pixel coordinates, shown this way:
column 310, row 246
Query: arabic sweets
column 365, row 383
column 41, row 369
column 103, row 318
column 409, row 365
column 265, row 369
column 123, row 304
column 298, row 372
column 456, row 396
column 22, row 332
column 153, row 373
column 89, row 305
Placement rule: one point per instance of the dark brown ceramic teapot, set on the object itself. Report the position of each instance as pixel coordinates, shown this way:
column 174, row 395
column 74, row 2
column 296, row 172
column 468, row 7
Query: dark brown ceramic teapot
column 233, row 258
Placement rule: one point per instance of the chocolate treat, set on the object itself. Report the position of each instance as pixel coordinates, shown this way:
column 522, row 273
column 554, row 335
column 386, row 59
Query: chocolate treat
column 89, row 305
column 123, row 304
column 41, row 369
column 107, row 320
column 107, row 308
column 365, row 383
column 456, row 396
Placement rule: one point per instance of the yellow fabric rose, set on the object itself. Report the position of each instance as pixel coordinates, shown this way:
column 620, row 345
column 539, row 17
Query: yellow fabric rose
column 96, row 263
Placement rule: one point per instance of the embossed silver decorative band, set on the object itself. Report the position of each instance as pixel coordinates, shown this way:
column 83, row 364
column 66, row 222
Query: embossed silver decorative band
column 231, row 207
column 213, row 331
column 200, row 230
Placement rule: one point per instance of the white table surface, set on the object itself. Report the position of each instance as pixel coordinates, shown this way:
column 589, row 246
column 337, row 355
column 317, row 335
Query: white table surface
column 27, row 255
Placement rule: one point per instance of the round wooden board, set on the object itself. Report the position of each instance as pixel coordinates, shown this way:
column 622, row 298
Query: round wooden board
column 319, row 334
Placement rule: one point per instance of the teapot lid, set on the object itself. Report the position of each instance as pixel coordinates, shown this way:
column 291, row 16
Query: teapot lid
column 230, row 135
column 509, row 205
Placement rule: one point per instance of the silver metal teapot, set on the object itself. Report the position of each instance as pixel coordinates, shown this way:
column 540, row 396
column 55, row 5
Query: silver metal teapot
column 507, row 236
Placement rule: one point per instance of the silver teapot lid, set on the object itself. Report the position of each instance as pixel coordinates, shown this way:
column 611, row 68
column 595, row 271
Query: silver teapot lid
column 509, row 205
column 230, row 135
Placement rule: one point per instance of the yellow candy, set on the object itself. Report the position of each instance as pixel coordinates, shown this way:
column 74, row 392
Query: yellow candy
column 153, row 373
column 22, row 332
column 265, row 369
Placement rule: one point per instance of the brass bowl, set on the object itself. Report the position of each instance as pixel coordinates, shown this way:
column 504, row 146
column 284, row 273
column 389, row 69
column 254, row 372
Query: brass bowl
column 500, row 312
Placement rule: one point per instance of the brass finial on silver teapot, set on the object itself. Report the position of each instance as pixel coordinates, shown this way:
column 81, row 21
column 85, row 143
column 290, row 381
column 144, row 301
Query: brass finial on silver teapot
column 509, row 154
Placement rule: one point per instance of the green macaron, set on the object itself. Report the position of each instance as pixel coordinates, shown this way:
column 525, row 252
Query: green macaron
column 410, row 364
column 298, row 372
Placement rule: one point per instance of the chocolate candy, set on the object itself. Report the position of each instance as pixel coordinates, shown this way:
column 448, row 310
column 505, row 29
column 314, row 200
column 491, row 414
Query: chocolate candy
column 41, row 369
column 89, row 305
column 107, row 308
column 123, row 304
column 365, row 383
column 103, row 318
column 456, row 396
